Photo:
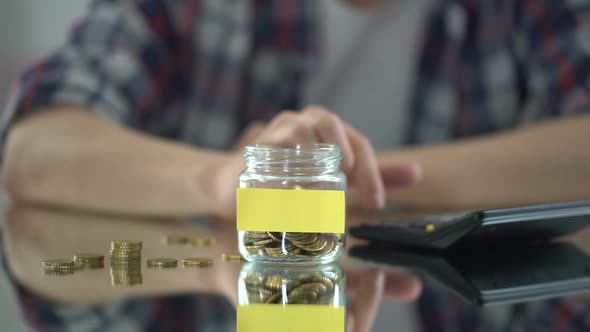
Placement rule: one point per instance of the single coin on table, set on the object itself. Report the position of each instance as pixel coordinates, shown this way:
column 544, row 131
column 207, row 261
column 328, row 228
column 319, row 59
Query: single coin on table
column 162, row 262
column 175, row 239
column 197, row 262
column 204, row 241
column 86, row 260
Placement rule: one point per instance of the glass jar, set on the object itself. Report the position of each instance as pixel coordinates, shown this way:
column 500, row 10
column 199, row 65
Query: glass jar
column 302, row 298
column 291, row 204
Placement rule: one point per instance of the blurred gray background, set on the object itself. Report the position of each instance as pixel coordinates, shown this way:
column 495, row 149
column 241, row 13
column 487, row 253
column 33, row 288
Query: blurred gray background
column 29, row 29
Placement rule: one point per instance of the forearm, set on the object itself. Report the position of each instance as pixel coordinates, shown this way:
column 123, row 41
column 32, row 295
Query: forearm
column 72, row 158
column 546, row 163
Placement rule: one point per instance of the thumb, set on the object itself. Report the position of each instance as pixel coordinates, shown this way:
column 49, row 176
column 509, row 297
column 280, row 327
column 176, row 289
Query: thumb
column 400, row 174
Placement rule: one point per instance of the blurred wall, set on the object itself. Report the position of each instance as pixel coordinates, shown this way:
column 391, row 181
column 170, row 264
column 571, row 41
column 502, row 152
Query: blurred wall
column 30, row 29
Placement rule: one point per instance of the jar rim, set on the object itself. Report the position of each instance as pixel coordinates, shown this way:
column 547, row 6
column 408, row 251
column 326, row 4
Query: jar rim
column 319, row 156
column 315, row 147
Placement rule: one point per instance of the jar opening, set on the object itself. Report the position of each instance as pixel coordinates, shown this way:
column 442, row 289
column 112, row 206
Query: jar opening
column 293, row 157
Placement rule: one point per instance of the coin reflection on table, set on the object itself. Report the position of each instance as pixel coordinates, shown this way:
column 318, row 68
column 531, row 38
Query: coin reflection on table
column 126, row 274
column 312, row 298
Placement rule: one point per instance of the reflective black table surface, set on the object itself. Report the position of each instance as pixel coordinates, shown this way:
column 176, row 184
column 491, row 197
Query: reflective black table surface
column 544, row 288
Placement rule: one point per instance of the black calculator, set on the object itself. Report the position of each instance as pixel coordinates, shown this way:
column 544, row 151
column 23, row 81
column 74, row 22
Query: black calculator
column 483, row 228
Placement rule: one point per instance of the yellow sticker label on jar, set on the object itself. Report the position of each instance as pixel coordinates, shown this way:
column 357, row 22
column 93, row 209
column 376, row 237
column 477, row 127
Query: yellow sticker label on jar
column 287, row 210
column 290, row 318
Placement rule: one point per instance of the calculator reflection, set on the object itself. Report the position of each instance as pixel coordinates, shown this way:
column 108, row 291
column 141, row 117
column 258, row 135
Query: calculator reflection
column 499, row 276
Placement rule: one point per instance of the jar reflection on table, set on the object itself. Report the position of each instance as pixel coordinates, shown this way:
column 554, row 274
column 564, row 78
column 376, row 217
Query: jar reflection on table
column 309, row 298
column 311, row 169
column 291, row 285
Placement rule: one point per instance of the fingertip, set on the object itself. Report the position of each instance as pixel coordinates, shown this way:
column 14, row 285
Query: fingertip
column 401, row 175
column 374, row 202
column 415, row 290
column 403, row 287
column 347, row 153
column 379, row 189
column 346, row 164
column 416, row 170
column 374, row 282
column 380, row 278
column 380, row 200
column 349, row 321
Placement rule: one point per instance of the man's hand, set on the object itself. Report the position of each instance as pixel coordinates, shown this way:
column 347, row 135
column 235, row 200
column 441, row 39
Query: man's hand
column 316, row 125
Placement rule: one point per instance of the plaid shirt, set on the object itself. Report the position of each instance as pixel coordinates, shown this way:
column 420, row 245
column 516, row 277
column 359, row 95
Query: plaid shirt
column 201, row 71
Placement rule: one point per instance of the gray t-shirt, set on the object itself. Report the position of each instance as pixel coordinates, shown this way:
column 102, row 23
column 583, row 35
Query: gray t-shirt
column 365, row 75
column 366, row 69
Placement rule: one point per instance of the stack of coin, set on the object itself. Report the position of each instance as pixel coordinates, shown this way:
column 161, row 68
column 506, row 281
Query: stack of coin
column 126, row 274
column 281, row 245
column 58, row 266
column 89, row 261
column 305, row 288
column 125, row 252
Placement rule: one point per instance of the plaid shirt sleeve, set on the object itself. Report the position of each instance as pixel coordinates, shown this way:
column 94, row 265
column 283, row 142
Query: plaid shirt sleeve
column 556, row 56
column 122, row 61
column 496, row 65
